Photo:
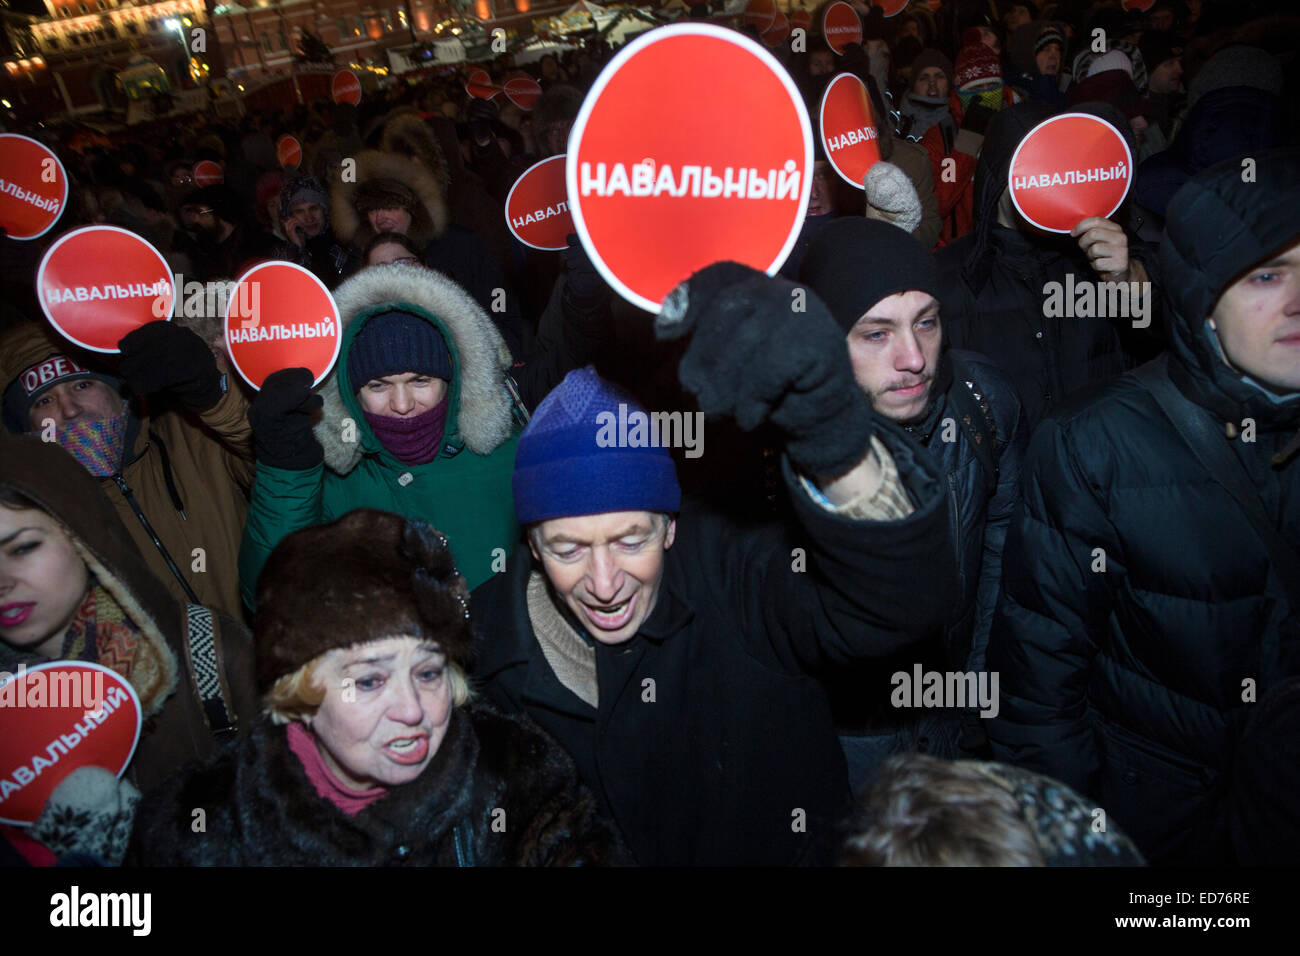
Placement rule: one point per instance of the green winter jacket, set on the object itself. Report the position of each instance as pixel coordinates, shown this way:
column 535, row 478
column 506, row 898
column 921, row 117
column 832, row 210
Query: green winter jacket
column 465, row 492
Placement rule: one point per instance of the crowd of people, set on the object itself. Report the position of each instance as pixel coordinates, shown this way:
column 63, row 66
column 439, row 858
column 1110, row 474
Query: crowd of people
column 423, row 613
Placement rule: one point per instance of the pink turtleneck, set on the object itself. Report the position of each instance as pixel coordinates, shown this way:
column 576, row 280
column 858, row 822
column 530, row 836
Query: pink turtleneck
column 327, row 784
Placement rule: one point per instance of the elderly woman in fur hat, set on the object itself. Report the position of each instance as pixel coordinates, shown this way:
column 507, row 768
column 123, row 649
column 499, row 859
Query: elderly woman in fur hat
column 417, row 420
column 373, row 750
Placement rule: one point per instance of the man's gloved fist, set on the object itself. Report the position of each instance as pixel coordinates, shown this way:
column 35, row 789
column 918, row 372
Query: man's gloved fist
column 281, row 417
column 162, row 357
column 765, row 349
column 977, row 118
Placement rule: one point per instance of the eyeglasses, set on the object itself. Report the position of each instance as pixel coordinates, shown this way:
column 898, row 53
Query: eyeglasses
column 203, row 212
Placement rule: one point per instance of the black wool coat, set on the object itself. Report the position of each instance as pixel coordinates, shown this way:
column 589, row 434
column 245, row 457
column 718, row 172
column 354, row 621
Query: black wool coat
column 261, row 810
column 713, row 742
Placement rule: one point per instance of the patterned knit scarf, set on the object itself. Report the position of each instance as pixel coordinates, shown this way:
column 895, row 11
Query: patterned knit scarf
column 989, row 98
column 99, row 444
column 101, row 632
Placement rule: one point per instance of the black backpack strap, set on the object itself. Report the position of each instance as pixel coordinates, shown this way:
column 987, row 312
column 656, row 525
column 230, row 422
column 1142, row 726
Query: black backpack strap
column 1209, row 444
column 205, row 669
column 975, row 417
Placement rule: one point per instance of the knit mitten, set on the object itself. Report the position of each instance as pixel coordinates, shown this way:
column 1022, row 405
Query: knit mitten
column 90, row 812
column 891, row 197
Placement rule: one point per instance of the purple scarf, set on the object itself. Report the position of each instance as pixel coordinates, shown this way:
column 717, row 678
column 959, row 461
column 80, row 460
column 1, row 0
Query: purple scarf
column 415, row 440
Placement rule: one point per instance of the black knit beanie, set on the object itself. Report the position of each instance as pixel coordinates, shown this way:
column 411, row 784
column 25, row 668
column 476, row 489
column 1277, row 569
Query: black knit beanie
column 395, row 342
column 853, row 263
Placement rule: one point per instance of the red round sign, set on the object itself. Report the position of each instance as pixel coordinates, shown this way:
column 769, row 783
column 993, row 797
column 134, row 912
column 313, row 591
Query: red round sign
column 849, row 133
column 537, row 208
column 33, row 187
column 1068, row 168
column 760, row 14
column 280, row 315
column 801, row 20
column 1141, row 6
column 841, row 26
column 208, row 173
column 890, row 8
column 777, row 33
column 523, row 91
column 57, row 718
column 479, row 85
column 98, row 283
column 289, row 151
column 692, row 147
column 345, row 87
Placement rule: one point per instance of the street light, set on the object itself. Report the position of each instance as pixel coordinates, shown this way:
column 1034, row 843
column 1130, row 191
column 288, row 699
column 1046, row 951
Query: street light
column 174, row 24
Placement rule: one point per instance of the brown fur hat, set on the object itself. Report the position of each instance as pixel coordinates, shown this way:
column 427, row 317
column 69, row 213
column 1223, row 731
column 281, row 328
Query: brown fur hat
column 405, row 134
column 368, row 576
column 386, row 180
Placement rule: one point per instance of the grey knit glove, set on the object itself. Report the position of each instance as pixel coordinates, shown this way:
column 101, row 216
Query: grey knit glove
column 91, row 812
column 891, row 197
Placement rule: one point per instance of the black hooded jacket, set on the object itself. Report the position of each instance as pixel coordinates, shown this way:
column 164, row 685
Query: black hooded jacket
column 1139, row 616
column 993, row 284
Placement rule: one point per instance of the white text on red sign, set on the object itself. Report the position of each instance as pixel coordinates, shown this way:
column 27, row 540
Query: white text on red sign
column 283, row 333
column 863, row 134
column 537, row 216
column 32, row 199
column 110, row 290
column 62, row 744
column 1071, row 177
column 698, row 181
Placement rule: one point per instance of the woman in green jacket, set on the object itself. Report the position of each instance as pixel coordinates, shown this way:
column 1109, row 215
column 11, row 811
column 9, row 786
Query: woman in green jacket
column 417, row 420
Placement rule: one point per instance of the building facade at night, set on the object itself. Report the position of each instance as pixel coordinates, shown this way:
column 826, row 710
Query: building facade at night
column 70, row 59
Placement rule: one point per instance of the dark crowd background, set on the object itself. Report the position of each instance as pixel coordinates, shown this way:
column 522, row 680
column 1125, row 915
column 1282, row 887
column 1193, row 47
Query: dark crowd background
column 1157, row 689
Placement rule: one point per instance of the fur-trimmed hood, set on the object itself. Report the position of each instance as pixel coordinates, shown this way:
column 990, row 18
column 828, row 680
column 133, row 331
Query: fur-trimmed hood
column 47, row 475
column 479, row 413
column 405, row 134
column 429, row 219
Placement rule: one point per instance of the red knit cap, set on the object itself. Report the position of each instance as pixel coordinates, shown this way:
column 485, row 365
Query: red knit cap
column 976, row 63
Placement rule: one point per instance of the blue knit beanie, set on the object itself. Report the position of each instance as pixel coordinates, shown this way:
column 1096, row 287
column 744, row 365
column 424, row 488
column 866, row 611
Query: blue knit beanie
column 562, row 469
column 394, row 342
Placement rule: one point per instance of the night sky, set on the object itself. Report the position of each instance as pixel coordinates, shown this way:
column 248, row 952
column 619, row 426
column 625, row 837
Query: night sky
column 27, row 6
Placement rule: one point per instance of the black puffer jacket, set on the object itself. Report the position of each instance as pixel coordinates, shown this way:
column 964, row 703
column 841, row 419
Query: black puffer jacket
column 993, row 278
column 976, row 400
column 981, row 503
column 262, row 810
column 1128, row 683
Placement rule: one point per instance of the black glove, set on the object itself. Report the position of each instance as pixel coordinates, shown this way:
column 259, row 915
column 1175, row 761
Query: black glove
column 754, row 357
column 584, row 284
column 163, row 357
column 977, row 118
column 481, row 114
column 281, row 419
